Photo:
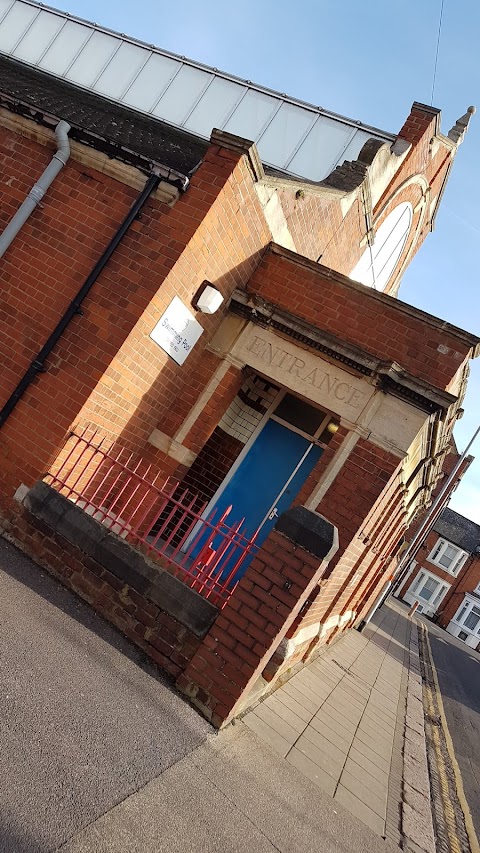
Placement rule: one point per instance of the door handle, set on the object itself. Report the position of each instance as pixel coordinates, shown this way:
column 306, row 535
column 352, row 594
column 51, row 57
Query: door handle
column 273, row 514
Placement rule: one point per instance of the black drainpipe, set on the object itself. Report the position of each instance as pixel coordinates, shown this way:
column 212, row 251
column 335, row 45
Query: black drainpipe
column 37, row 365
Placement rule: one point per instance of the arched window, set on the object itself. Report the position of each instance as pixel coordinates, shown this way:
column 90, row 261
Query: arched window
column 378, row 261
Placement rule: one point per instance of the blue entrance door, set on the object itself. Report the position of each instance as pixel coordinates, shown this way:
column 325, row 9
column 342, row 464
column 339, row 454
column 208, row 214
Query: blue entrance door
column 260, row 478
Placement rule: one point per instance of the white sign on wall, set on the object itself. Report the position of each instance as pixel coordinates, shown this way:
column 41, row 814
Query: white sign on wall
column 177, row 331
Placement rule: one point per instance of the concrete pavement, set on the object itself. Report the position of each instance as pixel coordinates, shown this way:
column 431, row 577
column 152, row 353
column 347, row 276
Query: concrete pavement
column 233, row 794
column 340, row 720
column 99, row 754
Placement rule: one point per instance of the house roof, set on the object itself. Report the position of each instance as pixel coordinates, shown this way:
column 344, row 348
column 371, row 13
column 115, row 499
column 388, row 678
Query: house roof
column 97, row 121
column 458, row 530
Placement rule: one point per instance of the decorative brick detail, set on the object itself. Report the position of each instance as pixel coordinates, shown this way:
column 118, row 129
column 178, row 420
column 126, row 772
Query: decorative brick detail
column 247, row 633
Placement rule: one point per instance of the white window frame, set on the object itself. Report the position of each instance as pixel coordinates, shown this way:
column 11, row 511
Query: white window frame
column 420, row 580
column 463, row 612
column 457, row 562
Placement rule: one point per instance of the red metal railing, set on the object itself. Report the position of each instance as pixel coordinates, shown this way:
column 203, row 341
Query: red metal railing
column 165, row 520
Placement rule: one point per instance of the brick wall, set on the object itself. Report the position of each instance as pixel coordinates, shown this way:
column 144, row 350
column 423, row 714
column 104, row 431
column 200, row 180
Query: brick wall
column 365, row 504
column 212, row 464
column 468, row 580
column 217, row 657
column 225, row 674
column 102, row 371
column 164, row 618
column 106, row 370
column 320, row 230
column 39, row 275
column 375, row 322
column 356, row 489
column 224, row 238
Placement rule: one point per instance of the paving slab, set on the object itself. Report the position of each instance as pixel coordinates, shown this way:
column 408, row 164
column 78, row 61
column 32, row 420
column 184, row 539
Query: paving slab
column 293, row 719
column 323, row 744
column 308, row 704
column 377, row 802
column 269, row 735
column 340, row 737
column 356, row 695
column 312, row 771
column 231, row 795
column 385, row 727
column 381, row 736
column 303, row 696
column 373, row 764
column 334, row 718
column 277, row 723
column 325, row 761
column 378, row 783
column 360, row 810
column 382, row 748
column 286, row 700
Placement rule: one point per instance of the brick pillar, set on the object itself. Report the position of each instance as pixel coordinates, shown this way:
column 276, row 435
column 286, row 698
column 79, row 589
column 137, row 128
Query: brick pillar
column 422, row 119
column 229, row 662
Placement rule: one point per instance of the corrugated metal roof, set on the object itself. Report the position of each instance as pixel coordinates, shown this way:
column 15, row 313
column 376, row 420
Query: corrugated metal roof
column 298, row 138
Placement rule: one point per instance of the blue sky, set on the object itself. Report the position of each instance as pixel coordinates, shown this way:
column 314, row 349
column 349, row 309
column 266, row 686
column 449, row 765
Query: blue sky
column 368, row 61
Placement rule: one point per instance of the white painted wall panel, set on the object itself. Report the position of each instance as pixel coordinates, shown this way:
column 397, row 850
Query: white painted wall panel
column 37, row 38
column 92, row 59
column 299, row 138
column 182, row 94
column 15, row 24
column 62, row 51
column 121, row 71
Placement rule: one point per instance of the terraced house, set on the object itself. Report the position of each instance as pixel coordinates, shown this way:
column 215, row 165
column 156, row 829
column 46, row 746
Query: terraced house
column 444, row 578
column 200, row 329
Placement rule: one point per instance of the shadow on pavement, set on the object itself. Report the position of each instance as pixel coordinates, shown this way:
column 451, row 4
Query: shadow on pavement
column 85, row 720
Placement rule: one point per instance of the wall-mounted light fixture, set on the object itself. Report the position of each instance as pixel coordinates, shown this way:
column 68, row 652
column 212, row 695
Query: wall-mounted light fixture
column 207, row 299
column 329, row 431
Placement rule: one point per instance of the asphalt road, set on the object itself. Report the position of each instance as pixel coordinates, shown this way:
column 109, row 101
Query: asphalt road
column 99, row 755
column 458, row 669
column 84, row 722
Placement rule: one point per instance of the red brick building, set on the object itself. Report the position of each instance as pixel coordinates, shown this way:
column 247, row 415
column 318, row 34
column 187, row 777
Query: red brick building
column 238, row 331
column 445, row 577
